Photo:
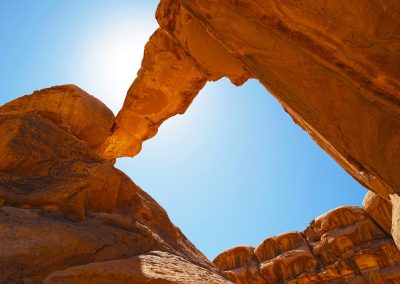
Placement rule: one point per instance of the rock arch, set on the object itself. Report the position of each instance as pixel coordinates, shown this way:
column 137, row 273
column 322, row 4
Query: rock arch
column 333, row 66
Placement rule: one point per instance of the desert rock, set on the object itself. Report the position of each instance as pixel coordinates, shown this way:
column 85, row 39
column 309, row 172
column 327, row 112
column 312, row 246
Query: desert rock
column 63, row 205
column 68, row 215
column 331, row 70
column 340, row 246
column 379, row 209
column 71, row 109
column 153, row 267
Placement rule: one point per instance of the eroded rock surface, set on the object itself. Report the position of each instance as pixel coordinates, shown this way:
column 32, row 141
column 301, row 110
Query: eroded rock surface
column 396, row 218
column 67, row 215
column 379, row 209
column 63, row 205
column 240, row 264
column 68, row 107
column 342, row 246
column 154, row 267
column 332, row 70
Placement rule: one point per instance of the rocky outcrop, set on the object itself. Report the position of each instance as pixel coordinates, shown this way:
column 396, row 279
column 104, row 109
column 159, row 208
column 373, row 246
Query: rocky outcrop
column 67, row 215
column 284, row 256
column 379, row 210
column 71, row 109
column 240, row 264
column 342, row 246
column 334, row 72
column 396, row 218
column 63, row 205
column 153, row 267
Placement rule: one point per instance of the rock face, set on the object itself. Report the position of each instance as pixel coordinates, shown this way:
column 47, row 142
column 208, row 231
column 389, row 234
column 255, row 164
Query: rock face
column 396, row 218
column 62, row 205
column 67, row 215
column 68, row 106
column 154, row 267
column 341, row 246
column 240, row 264
column 332, row 70
column 379, row 210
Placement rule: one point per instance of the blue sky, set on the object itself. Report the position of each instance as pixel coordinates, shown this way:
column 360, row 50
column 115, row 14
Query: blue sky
column 234, row 169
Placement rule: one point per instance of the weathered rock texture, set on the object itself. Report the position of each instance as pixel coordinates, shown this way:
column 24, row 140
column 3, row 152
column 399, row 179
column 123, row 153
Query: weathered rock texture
column 62, row 205
column 154, row 267
column 71, row 109
column 68, row 216
column 379, row 210
column 342, row 246
column 333, row 65
column 396, row 218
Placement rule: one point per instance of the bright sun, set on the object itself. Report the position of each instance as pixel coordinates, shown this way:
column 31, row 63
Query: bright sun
column 112, row 55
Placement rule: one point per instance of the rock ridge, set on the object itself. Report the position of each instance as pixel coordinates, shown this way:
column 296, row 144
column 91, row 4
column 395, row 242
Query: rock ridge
column 341, row 246
column 63, row 205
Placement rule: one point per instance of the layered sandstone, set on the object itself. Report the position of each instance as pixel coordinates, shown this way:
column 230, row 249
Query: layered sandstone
column 62, row 205
column 342, row 246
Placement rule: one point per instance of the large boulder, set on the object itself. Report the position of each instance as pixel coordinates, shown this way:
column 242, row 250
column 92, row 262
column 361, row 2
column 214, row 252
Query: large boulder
column 379, row 209
column 396, row 218
column 240, row 264
column 71, row 109
column 63, row 205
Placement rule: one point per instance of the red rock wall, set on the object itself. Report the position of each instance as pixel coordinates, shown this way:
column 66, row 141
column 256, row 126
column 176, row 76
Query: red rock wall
column 342, row 246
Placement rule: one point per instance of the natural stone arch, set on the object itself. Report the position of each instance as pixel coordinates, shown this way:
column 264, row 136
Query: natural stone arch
column 323, row 61
column 332, row 70
column 338, row 86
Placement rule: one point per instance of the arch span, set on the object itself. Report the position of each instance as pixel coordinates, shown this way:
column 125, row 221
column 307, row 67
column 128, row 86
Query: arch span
column 333, row 65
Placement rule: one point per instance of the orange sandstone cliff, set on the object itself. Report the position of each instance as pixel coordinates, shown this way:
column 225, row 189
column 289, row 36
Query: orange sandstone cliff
column 344, row 245
column 67, row 215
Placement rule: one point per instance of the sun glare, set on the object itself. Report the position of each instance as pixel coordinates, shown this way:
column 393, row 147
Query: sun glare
column 112, row 58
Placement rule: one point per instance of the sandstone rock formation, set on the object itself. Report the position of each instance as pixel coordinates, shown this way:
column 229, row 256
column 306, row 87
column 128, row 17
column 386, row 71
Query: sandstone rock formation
column 396, row 218
column 333, row 65
column 62, row 205
column 240, row 264
column 342, row 246
column 69, row 108
column 379, row 210
column 67, row 215
column 152, row 267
